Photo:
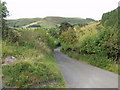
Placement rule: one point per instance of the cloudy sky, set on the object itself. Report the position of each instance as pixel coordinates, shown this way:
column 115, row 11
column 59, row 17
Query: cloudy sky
column 64, row 8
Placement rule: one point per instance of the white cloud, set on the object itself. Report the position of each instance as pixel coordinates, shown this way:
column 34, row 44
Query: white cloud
column 119, row 3
column 67, row 8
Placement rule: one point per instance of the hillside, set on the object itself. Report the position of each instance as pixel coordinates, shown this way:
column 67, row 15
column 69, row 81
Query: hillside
column 111, row 18
column 96, row 43
column 21, row 22
column 47, row 22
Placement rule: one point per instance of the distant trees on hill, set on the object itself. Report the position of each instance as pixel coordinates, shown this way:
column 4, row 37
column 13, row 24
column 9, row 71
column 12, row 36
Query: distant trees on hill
column 34, row 26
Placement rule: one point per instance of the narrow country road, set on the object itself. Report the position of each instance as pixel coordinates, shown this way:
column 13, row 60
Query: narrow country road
column 81, row 75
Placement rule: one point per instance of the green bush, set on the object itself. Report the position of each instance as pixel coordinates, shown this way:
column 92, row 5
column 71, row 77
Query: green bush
column 35, row 61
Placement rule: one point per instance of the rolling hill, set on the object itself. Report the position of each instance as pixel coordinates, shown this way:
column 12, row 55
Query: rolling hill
column 46, row 22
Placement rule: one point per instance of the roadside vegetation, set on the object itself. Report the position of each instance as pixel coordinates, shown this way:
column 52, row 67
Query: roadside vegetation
column 32, row 44
column 35, row 61
column 96, row 43
column 35, row 65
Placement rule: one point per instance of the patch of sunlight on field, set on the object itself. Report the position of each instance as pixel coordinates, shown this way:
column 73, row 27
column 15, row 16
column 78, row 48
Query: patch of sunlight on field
column 90, row 29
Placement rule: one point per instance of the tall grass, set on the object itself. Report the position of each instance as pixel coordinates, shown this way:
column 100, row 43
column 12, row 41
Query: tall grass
column 35, row 61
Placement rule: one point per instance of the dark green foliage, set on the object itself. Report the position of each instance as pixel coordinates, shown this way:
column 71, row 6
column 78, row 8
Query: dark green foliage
column 64, row 27
column 49, row 37
column 100, row 43
column 68, row 37
column 33, row 26
column 106, row 42
column 119, row 18
column 110, row 18
column 3, row 7
column 54, row 32
column 3, row 14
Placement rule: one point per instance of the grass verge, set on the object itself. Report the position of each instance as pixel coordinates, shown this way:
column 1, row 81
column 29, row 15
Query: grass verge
column 96, row 60
column 32, row 66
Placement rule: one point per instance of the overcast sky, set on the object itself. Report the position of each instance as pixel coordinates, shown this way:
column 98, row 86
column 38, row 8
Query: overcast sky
column 64, row 8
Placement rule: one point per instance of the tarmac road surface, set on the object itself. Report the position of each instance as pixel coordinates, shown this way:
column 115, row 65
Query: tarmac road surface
column 81, row 75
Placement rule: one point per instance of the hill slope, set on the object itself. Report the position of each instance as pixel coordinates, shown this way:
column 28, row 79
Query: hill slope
column 47, row 21
column 97, row 43
column 111, row 18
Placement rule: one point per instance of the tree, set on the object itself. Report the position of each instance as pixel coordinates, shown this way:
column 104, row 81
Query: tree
column 69, row 37
column 64, row 27
column 54, row 32
column 3, row 14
